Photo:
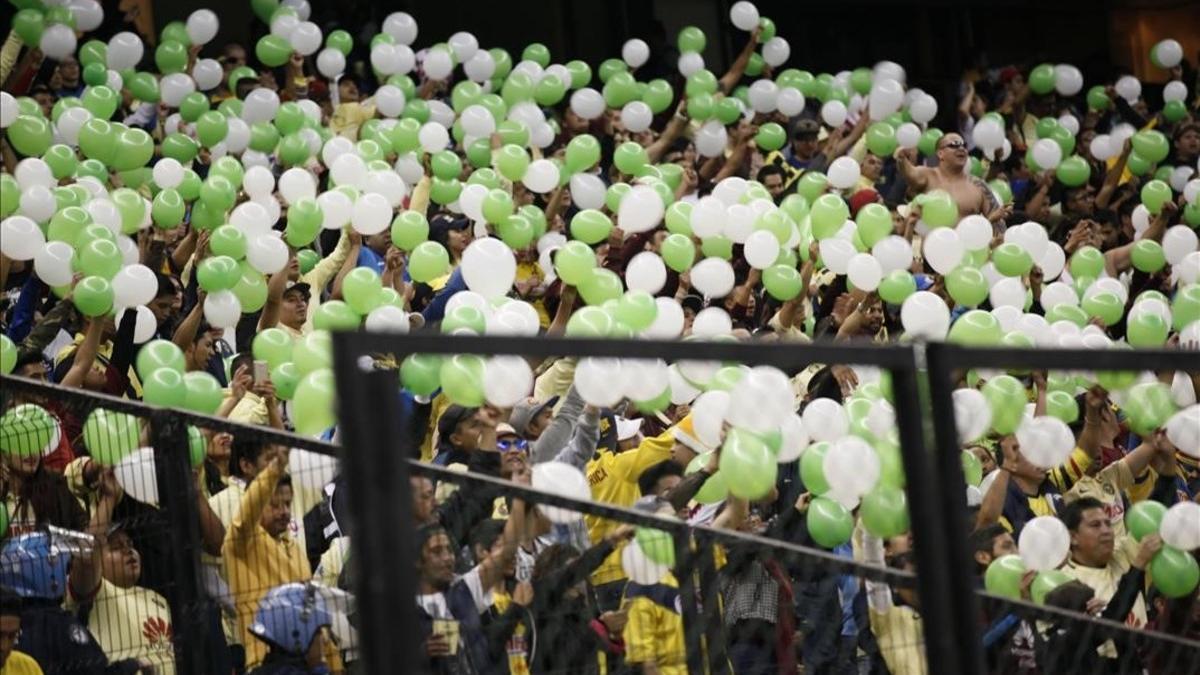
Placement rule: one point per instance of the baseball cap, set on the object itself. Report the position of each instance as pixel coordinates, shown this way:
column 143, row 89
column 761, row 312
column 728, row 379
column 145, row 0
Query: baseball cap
column 300, row 287
column 442, row 224
column 449, row 421
column 692, row 302
column 524, row 412
column 805, row 128
column 862, row 198
column 503, row 429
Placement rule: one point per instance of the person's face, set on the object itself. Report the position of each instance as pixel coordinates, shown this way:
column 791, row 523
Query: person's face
column 277, row 515
column 46, row 100
column 347, row 91
column 202, row 351
column 1109, row 234
column 458, row 240
column 466, row 434
column 33, row 371
column 10, row 632
column 234, row 56
column 22, row 465
column 219, row 447
column 539, row 422
column 986, row 459
column 1003, row 545
column 804, row 146
column 69, row 69
column 162, row 307
column 1188, row 144
column 423, row 499
column 689, row 315
column 514, row 454
column 294, row 309
column 1081, row 201
column 379, row 242
column 629, row 443
column 874, row 313
column 665, row 484
column 574, row 123
column 774, row 185
column 871, row 168
column 1024, row 469
column 1092, row 541
column 437, row 561
column 952, row 151
column 120, row 562
column 978, row 107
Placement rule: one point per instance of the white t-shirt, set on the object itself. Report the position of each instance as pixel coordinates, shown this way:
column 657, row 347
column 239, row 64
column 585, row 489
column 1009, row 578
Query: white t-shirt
column 435, row 606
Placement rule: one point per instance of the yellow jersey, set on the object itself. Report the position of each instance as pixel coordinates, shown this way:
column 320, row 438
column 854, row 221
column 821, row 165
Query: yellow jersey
column 20, row 664
column 654, row 630
column 132, row 623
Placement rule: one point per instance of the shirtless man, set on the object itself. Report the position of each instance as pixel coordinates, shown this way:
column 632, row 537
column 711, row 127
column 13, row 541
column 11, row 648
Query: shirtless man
column 972, row 195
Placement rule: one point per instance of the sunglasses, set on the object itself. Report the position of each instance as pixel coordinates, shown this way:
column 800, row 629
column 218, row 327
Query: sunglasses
column 954, row 145
column 513, row 445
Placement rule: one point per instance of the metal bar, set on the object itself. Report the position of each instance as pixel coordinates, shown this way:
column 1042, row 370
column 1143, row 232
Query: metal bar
column 710, row 598
column 177, row 488
column 689, row 609
column 948, row 474
column 955, row 356
column 941, row 635
column 380, row 510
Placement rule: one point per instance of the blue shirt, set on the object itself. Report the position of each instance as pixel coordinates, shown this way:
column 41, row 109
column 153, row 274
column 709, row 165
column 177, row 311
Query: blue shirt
column 369, row 258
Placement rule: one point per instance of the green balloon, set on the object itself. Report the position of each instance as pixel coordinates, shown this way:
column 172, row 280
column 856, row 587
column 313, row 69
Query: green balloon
column 770, row 137
column 1147, row 330
column 227, row 240
column 335, row 315
column 1097, row 99
column 134, row 150
column 1148, row 406
column 574, row 262
column 218, row 273
column 600, row 285
column 783, row 282
column 583, row 152
column 885, row 512
column 176, row 146
column 678, row 252
column 409, row 229
column 27, row 430
column 829, row 523
column 158, row 354
column 164, row 387
column 717, row 246
column 29, row 24
column 274, row 346
column 874, row 223
column 8, row 355
column 171, row 57
column 1154, row 194
column 511, row 161
column 1006, row 398
column 286, row 378
column 100, row 257
column 637, row 309
column 461, row 376
column 1087, row 261
column 93, row 296
column 1003, row 576
column 881, row 139
column 61, row 160
column 313, row 352
column 1144, row 517
column 251, row 289
column 899, row 284
column 1175, row 572
column 1174, row 111
column 308, row 259
column 749, row 466
column 1073, row 171
column 590, row 226
column 314, row 402
column 967, row 285
column 630, row 158
column 1061, row 404
column 273, row 51
column 497, row 206
column 1104, row 306
column 428, row 261
column 1185, row 307
column 812, row 470
column 340, row 40
column 829, row 212
column 938, row 209
column 927, row 144
column 30, row 136
column 1046, row 581
column 445, row 191
column 1151, row 144
column 420, row 373
column 1012, row 260
column 110, row 436
column 211, row 128
column 362, row 288
column 972, row 469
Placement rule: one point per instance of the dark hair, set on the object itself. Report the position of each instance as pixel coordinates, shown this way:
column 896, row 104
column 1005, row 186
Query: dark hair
column 239, row 360
column 655, row 473
column 1073, row 595
column 47, row 493
column 248, row 449
column 166, row 285
column 25, row 358
column 485, row 534
column 425, row 533
column 984, row 538
column 10, row 603
column 771, row 170
column 554, row 558
column 1072, row 514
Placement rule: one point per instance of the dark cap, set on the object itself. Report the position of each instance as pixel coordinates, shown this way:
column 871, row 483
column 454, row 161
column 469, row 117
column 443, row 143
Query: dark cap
column 449, row 421
column 692, row 302
column 299, row 287
column 441, row 225
column 805, row 128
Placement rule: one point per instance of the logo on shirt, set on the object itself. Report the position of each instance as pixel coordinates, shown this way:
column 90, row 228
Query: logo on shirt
column 157, row 632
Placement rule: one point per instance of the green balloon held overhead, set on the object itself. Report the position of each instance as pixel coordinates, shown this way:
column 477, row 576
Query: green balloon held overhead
column 461, row 377
column 1062, row 405
column 881, row 139
column 678, row 252
column 829, row 523
column 27, row 430
column 30, row 136
column 362, row 289
column 163, row 387
column 1097, row 99
column 783, row 282
column 211, row 128
column 428, row 261
column 829, row 212
column 749, row 467
column 1151, row 144
column 770, row 137
column 600, row 285
column 939, row 209
column 420, row 373
column 1175, row 572
column 1144, row 517
column 1148, row 406
column 897, row 286
column 967, row 285
column 8, row 354
column 715, row 487
column 1087, row 261
column 273, row 51
column 286, row 378
column 1185, row 306
column 1012, row 260
column 218, row 273
column 574, row 262
column 1046, row 581
column 1147, row 330
column 1006, row 398
column 409, row 229
column 885, row 512
column 1105, row 306
column 274, row 346
column 110, row 435
column 1154, row 195
column 1073, row 171
column 314, row 402
column 590, row 226
column 630, row 158
column 93, row 296
column 336, row 315
column 171, row 57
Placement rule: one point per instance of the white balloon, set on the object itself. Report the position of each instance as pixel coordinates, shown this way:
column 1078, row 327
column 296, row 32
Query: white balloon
column 761, row 400
column 712, row 277
column 864, row 271
column 641, row 210
column 790, row 101
column 401, row 26
column 587, row 103
column 58, row 41
column 20, row 238
column 507, row 380
column 795, row 439
column 587, row 191
column 844, row 173
column 1101, row 147
column 371, row 215
column 256, row 181
column 708, row 417
column 52, row 263
column 1180, row 176
column 925, row 315
column 266, row 253
column 37, row 202
column 348, row 169
column 477, row 121
column 1129, row 88
column 708, row 216
column 972, row 414
column 710, row 140
column 1044, row 543
column 1169, row 53
column 1045, row 441
column 668, row 321
column 1068, row 81
column 222, row 309
column 438, row 64
column 541, row 135
column 739, row 223
column 306, row 38
column 975, row 232
column 908, row 135
column 331, row 63
column 744, row 15
column 541, row 176
column 1047, row 153
column 1070, row 123
column 34, row 171
column 690, row 62
column 763, row 94
column 283, row 25
column 489, row 267
column 893, row 252
column 638, row 568
column 837, row 254
column 711, row 322
column 636, row 116
column 480, row 67
column 296, row 184
column 646, row 272
column 833, row 113
column 635, row 52
column 923, row 109
column 464, row 45
column 386, row 58
column 761, row 249
column 260, row 105
column 1174, row 91
column 851, row 467
column 1008, row 292
column 433, row 137
column 1180, row 526
column 825, row 420
column 885, row 98
column 88, row 14
column 943, row 250
column 124, row 51
column 202, row 26
column 389, row 100
column 1178, row 242
column 1183, row 429
column 988, row 134
column 137, row 475
column 776, row 51
column 597, row 381
column 145, row 324
column 8, row 109
column 387, row 319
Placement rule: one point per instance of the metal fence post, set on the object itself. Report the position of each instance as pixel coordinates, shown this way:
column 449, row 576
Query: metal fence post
column 375, row 461
column 177, row 496
column 943, row 644
column 685, row 575
column 710, row 599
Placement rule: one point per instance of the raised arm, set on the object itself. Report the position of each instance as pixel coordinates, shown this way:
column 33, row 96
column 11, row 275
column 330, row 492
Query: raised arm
column 675, row 127
column 350, row 263
column 323, row 272
column 1113, row 178
column 85, row 355
column 246, row 521
column 185, row 334
column 491, row 570
column 212, row 532
column 1120, row 259
column 275, row 288
column 730, row 78
column 915, row 176
column 85, row 574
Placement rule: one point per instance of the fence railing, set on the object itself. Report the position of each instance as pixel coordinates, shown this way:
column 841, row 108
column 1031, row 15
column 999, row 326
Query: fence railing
column 374, row 458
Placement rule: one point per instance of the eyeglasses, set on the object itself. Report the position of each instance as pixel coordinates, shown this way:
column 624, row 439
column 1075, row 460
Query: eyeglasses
column 513, row 445
column 954, row 145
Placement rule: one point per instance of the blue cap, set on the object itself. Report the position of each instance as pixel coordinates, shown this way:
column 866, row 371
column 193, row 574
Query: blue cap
column 289, row 616
column 31, row 566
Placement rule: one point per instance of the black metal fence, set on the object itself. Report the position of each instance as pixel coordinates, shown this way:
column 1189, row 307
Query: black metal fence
column 943, row 625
